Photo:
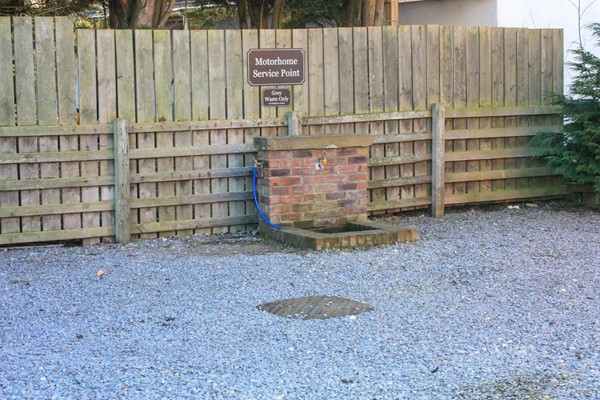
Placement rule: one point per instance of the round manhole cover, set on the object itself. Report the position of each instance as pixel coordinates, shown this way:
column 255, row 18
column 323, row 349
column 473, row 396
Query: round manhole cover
column 315, row 307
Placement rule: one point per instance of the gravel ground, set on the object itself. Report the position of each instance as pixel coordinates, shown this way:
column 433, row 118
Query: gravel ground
column 491, row 303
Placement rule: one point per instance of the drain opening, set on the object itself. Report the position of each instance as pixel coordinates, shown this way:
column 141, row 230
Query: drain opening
column 315, row 307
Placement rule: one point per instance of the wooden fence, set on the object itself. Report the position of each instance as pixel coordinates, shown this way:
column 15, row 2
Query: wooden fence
column 176, row 108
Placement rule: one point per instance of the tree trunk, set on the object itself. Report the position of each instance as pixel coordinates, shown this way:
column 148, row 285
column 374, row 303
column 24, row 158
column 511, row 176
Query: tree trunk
column 132, row 14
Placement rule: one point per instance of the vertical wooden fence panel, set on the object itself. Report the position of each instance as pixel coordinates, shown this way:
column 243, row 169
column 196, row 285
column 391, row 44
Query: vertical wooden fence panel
column 107, row 112
column 251, row 103
column 419, row 68
column 216, row 68
column 67, row 110
column 26, row 113
column 346, row 75
column 182, row 89
column 314, row 73
column 145, row 112
column 235, row 84
column 47, row 112
column 7, row 118
column 405, row 82
column 86, row 60
column 331, row 81
column 125, row 68
column 391, row 103
column 163, row 75
column 376, row 104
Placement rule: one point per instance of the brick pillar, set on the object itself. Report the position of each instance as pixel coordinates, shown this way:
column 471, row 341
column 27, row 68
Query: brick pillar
column 293, row 191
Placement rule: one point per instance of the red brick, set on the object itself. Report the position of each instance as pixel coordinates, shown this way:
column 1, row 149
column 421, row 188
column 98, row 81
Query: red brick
column 349, row 151
column 303, row 171
column 312, row 197
column 362, row 185
column 293, row 162
column 347, row 203
column 301, row 153
column 279, row 190
column 285, row 181
column 344, row 169
column 303, row 208
column 311, row 180
column 335, row 196
column 284, row 199
column 277, row 155
column 277, row 172
column 361, row 176
column 324, row 187
column 277, row 208
column 347, row 186
column 290, row 217
column 334, row 178
column 357, row 194
column 357, row 160
column 301, row 189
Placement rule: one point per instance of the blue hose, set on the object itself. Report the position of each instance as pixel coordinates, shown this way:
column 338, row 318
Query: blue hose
column 256, row 202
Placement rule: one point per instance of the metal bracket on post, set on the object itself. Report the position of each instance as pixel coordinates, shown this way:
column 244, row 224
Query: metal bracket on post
column 438, row 159
column 294, row 123
column 122, row 180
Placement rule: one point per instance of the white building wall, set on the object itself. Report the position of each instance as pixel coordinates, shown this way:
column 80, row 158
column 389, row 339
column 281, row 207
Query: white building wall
column 449, row 12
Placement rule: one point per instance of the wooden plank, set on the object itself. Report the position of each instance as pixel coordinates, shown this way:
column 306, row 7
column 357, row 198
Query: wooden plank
column 405, row 159
column 485, row 97
column 122, row 192
column 267, row 40
column 47, row 111
column 523, row 66
column 182, row 88
column 413, row 180
column 489, row 133
column 300, row 93
column 26, row 111
column 316, row 101
column 164, row 140
column 216, row 67
column 447, row 86
column 535, row 97
column 506, row 195
column 497, row 95
column 107, row 111
column 438, row 164
column 53, row 236
column 86, row 57
column 366, row 117
column 67, row 111
column 251, row 102
column 361, row 68
column 405, row 204
column 55, row 209
column 346, row 75
column 509, row 111
column 405, row 88
column 460, row 99
column 7, row 118
column 419, row 59
column 52, row 183
column 331, row 82
column 434, row 85
column 404, row 137
column 144, row 77
column 391, row 96
column 473, row 98
column 215, row 224
column 500, row 174
column 283, row 39
column 125, row 69
column 235, row 109
column 469, row 155
column 194, row 199
column 47, row 156
column 376, row 103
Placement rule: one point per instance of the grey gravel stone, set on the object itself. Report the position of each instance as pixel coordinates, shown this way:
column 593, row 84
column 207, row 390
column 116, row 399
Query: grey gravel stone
column 500, row 304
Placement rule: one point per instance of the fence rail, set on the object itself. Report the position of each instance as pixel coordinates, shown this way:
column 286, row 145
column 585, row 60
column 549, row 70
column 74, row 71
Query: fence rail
column 451, row 111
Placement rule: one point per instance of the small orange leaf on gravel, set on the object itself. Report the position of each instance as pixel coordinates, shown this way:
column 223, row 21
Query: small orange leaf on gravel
column 100, row 274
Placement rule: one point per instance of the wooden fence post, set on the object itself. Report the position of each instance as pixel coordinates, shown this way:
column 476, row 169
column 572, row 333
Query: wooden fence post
column 294, row 123
column 122, row 180
column 438, row 160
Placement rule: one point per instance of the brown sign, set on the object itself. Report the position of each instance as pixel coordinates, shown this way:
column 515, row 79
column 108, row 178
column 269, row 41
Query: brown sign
column 275, row 67
column 276, row 97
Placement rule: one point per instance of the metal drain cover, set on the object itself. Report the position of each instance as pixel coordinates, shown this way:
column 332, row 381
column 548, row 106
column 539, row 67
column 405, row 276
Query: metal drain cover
column 315, row 307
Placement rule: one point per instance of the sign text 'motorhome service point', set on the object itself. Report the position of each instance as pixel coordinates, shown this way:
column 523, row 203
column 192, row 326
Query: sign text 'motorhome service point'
column 275, row 67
